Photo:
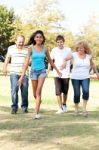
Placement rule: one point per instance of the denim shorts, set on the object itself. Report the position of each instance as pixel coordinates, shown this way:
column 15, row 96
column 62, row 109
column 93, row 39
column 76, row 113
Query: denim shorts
column 35, row 74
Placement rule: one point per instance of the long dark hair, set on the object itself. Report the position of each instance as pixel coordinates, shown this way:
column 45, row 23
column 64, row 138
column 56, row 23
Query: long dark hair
column 31, row 39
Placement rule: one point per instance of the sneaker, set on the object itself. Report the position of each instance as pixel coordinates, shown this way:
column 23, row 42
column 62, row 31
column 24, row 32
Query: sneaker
column 25, row 110
column 60, row 111
column 85, row 114
column 13, row 111
column 76, row 113
column 64, row 107
column 37, row 116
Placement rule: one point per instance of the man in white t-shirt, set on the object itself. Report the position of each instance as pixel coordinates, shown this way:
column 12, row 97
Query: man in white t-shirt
column 17, row 53
column 61, row 84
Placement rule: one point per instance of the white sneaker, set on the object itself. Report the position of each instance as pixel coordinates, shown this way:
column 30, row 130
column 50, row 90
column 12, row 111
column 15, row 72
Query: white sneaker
column 64, row 108
column 60, row 111
column 37, row 116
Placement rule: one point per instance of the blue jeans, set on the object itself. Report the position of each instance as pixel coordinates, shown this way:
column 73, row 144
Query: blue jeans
column 85, row 89
column 14, row 91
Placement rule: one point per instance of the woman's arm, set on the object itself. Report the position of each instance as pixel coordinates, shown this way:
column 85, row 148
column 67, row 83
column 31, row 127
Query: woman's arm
column 69, row 57
column 25, row 66
column 52, row 64
column 94, row 67
column 49, row 68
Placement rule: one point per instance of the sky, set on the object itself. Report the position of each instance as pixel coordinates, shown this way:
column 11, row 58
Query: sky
column 77, row 12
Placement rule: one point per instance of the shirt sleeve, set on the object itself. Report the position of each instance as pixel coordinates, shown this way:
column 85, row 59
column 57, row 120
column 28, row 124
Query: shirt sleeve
column 9, row 52
column 73, row 54
column 90, row 56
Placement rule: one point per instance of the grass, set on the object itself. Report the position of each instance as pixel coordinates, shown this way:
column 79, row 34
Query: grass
column 51, row 132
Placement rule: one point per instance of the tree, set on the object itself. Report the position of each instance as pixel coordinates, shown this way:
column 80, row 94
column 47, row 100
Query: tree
column 6, row 26
column 90, row 33
column 45, row 15
column 69, row 39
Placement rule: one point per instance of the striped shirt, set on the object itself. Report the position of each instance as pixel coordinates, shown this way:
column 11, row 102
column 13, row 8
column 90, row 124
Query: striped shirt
column 18, row 58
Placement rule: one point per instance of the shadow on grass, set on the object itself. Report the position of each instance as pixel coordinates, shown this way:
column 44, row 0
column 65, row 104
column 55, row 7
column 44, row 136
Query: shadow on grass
column 22, row 127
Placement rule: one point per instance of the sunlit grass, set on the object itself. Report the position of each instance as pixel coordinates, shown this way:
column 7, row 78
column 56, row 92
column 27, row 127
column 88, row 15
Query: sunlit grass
column 51, row 132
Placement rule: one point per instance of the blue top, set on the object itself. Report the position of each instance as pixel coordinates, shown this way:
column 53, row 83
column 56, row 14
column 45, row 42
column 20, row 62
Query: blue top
column 38, row 59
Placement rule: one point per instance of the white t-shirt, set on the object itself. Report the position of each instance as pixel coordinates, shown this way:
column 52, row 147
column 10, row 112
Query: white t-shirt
column 58, row 55
column 81, row 67
column 18, row 58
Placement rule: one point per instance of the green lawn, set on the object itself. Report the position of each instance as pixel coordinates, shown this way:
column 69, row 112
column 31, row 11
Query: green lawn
column 51, row 132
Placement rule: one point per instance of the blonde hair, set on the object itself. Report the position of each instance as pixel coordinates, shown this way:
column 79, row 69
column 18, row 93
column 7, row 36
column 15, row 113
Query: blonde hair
column 85, row 45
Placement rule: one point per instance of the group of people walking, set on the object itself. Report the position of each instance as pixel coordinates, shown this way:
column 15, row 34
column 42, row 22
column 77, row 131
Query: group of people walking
column 59, row 59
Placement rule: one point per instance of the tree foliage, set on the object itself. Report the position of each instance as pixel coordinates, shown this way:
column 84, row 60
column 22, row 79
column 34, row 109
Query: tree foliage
column 6, row 26
column 90, row 33
column 45, row 15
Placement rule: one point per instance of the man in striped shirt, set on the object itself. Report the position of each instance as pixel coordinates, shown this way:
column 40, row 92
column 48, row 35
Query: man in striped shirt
column 17, row 54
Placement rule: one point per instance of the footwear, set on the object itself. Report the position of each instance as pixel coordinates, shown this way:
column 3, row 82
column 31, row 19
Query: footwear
column 64, row 107
column 37, row 116
column 13, row 111
column 76, row 113
column 60, row 111
column 25, row 110
column 85, row 114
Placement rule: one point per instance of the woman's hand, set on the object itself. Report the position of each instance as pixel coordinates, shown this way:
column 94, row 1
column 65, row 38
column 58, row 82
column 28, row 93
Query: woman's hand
column 63, row 66
column 20, row 81
column 59, row 73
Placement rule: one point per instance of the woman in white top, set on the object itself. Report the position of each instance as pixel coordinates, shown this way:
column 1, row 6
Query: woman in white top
column 82, row 61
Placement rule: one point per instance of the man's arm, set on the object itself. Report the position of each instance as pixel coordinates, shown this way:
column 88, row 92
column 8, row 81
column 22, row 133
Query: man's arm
column 7, row 60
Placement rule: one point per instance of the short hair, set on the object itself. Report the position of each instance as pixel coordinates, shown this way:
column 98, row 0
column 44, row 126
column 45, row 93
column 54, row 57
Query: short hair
column 85, row 45
column 31, row 39
column 60, row 37
column 20, row 35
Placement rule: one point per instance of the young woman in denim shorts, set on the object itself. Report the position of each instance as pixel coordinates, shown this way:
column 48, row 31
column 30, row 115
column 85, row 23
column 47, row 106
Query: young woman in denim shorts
column 82, row 61
column 37, row 52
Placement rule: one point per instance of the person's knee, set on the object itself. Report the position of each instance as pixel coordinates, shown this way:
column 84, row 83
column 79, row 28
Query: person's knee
column 14, row 90
column 85, row 95
column 38, row 94
column 76, row 98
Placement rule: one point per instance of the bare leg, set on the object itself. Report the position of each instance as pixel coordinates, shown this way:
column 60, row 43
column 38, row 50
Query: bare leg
column 64, row 102
column 38, row 93
column 64, row 99
column 60, row 110
column 76, row 113
column 84, row 105
column 59, row 98
column 85, row 113
column 76, row 107
column 34, row 87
